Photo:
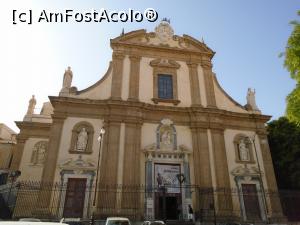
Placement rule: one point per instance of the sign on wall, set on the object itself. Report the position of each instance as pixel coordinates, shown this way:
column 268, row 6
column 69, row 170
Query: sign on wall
column 166, row 176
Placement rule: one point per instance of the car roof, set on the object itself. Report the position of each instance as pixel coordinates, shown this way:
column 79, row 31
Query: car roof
column 30, row 219
column 117, row 218
column 29, row 223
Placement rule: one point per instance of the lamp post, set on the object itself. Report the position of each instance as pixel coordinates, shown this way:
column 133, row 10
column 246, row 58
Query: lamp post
column 13, row 176
column 181, row 179
column 100, row 139
column 252, row 140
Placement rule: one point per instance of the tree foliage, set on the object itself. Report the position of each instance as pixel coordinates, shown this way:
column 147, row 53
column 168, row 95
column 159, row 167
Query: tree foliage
column 284, row 140
column 292, row 53
column 293, row 105
column 292, row 64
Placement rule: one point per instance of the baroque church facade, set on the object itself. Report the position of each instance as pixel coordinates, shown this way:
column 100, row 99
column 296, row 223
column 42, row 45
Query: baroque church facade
column 169, row 127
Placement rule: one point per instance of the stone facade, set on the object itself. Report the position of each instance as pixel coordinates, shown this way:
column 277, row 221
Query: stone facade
column 7, row 143
column 193, row 135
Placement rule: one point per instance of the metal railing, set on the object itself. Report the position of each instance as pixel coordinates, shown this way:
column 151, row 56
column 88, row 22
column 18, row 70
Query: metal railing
column 27, row 199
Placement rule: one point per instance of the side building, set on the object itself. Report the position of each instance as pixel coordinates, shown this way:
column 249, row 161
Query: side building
column 173, row 138
column 7, row 143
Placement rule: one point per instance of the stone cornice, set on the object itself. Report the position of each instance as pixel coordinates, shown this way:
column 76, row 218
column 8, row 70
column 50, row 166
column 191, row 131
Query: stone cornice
column 33, row 129
column 134, row 39
column 122, row 111
column 32, row 125
column 164, row 63
column 159, row 48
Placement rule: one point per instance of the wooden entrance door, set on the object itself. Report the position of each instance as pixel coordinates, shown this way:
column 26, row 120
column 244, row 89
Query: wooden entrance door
column 251, row 202
column 75, row 196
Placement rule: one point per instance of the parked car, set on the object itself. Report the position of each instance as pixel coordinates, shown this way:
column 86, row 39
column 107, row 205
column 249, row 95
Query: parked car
column 30, row 219
column 29, row 223
column 117, row 221
column 155, row 222
column 72, row 221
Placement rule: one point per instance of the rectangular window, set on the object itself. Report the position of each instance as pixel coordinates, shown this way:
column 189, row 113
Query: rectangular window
column 165, row 86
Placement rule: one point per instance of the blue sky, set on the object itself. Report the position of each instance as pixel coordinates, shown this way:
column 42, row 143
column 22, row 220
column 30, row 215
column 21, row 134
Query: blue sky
column 247, row 36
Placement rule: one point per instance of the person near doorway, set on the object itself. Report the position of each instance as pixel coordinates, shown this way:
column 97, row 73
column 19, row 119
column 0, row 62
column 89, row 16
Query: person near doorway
column 191, row 213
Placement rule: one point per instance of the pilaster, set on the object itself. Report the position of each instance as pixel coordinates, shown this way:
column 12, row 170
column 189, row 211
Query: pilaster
column 49, row 169
column 17, row 151
column 109, row 165
column 131, row 176
column 223, row 189
column 134, row 77
column 274, row 208
column 117, row 73
column 202, row 170
column 209, row 84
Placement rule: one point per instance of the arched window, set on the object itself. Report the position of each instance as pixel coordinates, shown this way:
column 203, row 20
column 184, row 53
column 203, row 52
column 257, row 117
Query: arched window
column 82, row 138
column 39, row 153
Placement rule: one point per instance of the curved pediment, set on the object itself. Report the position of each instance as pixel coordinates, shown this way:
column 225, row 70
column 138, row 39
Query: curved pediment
column 245, row 171
column 163, row 37
column 77, row 164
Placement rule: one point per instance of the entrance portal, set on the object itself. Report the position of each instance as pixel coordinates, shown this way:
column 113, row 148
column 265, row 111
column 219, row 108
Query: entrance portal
column 172, row 207
column 75, row 196
column 251, row 202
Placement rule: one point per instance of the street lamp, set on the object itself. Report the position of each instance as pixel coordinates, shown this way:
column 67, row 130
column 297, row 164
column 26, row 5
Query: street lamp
column 252, row 140
column 181, row 178
column 100, row 139
column 13, row 176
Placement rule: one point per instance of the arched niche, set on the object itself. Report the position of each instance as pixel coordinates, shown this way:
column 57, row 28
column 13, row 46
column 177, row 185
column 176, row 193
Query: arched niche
column 83, row 125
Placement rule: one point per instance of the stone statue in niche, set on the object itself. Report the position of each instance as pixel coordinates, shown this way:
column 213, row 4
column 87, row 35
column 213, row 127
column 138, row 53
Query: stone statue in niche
column 39, row 153
column 82, row 140
column 166, row 138
column 251, row 99
column 31, row 105
column 243, row 151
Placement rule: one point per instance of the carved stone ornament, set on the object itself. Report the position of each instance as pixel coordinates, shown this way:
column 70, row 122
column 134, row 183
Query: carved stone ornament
column 164, row 63
column 164, row 31
column 151, row 147
column 184, row 148
column 39, row 153
column 245, row 171
column 77, row 164
column 166, row 121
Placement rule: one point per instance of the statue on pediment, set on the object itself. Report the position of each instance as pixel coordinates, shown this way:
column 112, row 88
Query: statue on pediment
column 251, row 103
column 31, row 106
column 68, row 76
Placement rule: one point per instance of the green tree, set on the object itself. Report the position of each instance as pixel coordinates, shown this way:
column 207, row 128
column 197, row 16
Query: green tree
column 292, row 64
column 284, row 140
column 293, row 105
